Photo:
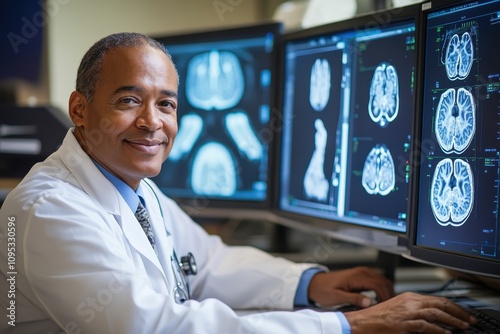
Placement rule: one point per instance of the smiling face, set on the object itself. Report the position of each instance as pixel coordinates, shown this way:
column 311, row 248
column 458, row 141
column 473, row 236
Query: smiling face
column 130, row 125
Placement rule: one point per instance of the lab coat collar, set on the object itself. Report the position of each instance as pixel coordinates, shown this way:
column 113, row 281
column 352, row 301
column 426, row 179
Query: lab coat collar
column 97, row 186
column 93, row 182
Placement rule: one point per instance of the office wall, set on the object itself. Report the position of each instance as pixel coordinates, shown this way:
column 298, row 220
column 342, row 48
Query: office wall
column 74, row 25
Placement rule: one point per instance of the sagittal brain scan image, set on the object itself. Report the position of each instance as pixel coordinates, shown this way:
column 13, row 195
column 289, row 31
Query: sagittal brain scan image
column 214, row 80
column 320, row 84
column 452, row 192
column 455, row 120
column 379, row 171
column 315, row 182
column 383, row 105
column 459, row 56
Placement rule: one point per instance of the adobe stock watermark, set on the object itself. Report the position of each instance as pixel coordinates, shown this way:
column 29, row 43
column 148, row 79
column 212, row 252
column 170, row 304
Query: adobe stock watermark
column 32, row 26
column 414, row 159
column 94, row 304
column 11, row 271
column 380, row 20
column 223, row 6
column 325, row 248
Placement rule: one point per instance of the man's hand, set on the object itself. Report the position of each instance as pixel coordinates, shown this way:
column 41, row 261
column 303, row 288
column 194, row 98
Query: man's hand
column 344, row 286
column 410, row 313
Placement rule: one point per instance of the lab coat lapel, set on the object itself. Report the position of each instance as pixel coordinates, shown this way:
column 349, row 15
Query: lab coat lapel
column 164, row 242
column 137, row 238
column 96, row 185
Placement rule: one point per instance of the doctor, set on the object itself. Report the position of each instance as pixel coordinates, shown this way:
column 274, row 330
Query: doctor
column 84, row 263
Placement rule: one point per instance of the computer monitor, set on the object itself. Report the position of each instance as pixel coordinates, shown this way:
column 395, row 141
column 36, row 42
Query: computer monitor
column 347, row 105
column 222, row 156
column 27, row 135
column 455, row 220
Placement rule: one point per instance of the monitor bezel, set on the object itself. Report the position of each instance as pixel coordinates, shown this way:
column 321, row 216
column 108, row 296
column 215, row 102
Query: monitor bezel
column 383, row 239
column 216, row 207
column 420, row 253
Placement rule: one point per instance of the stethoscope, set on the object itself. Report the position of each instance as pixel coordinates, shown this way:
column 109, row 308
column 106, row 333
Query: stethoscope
column 187, row 266
column 181, row 269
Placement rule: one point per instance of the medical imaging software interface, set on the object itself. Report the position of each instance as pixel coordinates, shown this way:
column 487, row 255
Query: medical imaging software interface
column 348, row 110
column 312, row 119
column 380, row 127
column 221, row 149
column 460, row 137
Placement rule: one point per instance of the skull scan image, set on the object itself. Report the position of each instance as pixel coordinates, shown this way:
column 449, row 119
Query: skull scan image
column 383, row 105
column 315, row 183
column 452, row 192
column 214, row 171
column 459, row 56
column 455, row 123
column 320, row 84
column 379, row 176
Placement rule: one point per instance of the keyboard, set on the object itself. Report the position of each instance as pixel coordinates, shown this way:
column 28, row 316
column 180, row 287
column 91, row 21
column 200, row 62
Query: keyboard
column 488, row 322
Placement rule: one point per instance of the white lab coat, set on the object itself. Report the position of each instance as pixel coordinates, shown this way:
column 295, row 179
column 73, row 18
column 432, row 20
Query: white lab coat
column 84, row 265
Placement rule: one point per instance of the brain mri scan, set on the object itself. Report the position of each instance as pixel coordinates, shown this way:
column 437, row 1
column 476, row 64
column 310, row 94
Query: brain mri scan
column 452, row 192
column 459, row 56
column 383, row 104
column 214, row 171
column 315, row 182
column 242, row 133
column 319, row 93
column 379, row 176
column 190, row 128
column 214, row 80
column 455, row 120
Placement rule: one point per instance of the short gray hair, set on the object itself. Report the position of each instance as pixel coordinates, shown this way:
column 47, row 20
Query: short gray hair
column 90, row 67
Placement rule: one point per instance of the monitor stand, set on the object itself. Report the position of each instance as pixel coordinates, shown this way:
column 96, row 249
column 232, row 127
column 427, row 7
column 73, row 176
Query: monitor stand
column 388, row 262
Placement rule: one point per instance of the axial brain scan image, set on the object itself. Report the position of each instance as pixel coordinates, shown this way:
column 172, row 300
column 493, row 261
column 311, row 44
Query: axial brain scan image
column 214, row 80
column 459, row 56
column 320, row 84
column 383, row 105
column 189, row 131
column 214, row 171
column 241, row 132
column 379, row 171
column 452, row 192
column 455, row 120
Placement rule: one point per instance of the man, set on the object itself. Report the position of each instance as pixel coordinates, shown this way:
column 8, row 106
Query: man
column 83, row 264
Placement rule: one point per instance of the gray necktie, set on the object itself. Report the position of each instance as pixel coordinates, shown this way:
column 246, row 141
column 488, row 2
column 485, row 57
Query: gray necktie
column 143, row 217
